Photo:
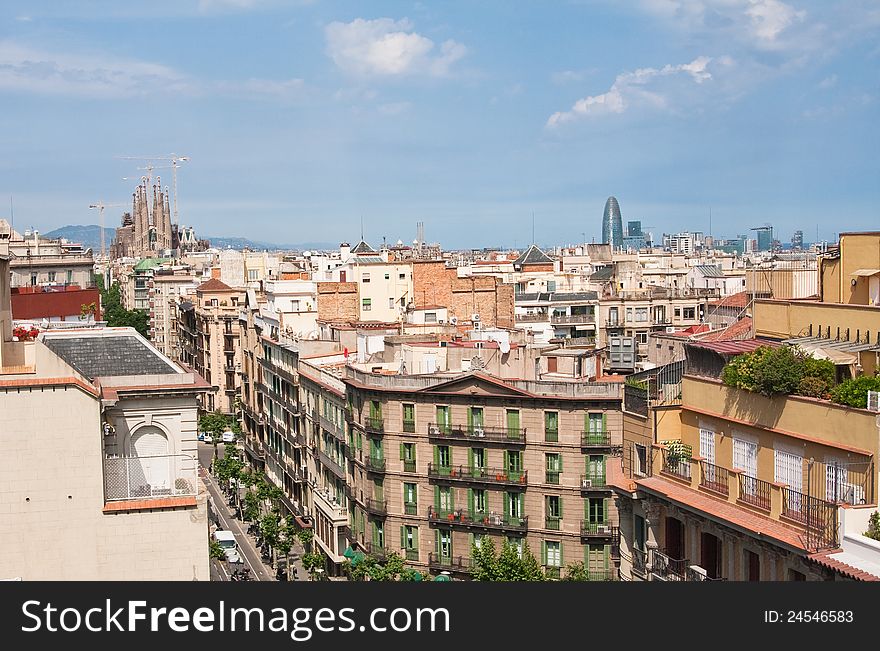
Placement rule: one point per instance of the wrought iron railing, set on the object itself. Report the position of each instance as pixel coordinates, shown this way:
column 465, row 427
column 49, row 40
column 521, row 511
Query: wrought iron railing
column 675, row 464
column 593, row 480
column 452, row 563
column 479, row 475
column 595, row 439
column 495, row 521
column 668, row 568
column 131, row 478
column 754, row 491
column 714, row 478
column 818, row 517
column 515, row 435
column 595, row 529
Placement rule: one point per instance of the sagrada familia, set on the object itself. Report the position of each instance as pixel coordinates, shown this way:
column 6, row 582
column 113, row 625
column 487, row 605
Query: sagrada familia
column 147, row 230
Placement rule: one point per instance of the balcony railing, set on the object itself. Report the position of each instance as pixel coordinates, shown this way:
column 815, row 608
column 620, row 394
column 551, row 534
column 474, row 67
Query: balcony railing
column 376, row 550
column 481, row 433
column 410, row 508
column 374, row 424
column 754, row 491
column 461, row 564
column 409, row 426
column 818, row 517
column 540, row 317
column 466, row 474
column 551, row 476
column 337, row 469
column 482, row 521
column 595, row 529
column 409, row 465
column 551, row 435
column 572, row 319
column 411, row 554
column 593, row 439
column 552, row 522
column 602, row 575
column 676, row 465
column 639, row 561
column 375, row 464
column 667, row 568
column 593, row 481
column 694, row 573
column 714, row 478
column 376, row 507
column 138, row 478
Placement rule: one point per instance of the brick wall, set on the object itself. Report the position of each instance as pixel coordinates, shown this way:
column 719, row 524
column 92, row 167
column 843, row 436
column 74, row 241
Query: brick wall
column 435, row 284
column 338, row 302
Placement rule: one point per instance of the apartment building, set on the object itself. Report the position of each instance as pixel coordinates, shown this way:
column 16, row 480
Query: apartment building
column 165, row 290
column 99, row 433
column 36, row 261
column 718, row 483
column 208, row 332
column 554, row 316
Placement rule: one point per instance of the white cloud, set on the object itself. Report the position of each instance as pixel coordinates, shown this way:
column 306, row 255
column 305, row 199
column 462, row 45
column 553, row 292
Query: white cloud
column 828, row 82
column 635, row 88
column 26, row 69
column 769, row 18
column 388, row 48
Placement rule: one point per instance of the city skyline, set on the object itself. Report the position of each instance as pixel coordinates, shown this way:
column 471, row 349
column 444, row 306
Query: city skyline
column 303, row 119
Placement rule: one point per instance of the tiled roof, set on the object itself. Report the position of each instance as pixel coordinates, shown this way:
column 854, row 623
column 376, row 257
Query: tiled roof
column 742, row 329
column 109, row 355
column 533, row 255
column 363, row 247
column 834, row 561
column 738, row 300
column 718, row 509
column 732, row 348
column 214, row 285
column 604, row 273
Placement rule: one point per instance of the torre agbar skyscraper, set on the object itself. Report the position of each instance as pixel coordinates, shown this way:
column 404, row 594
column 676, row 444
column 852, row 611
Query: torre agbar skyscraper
column 612, row 224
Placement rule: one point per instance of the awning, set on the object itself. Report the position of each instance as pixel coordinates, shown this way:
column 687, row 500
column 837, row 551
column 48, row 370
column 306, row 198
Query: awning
column 442, row 577
column 865, row 272
column 349, row 552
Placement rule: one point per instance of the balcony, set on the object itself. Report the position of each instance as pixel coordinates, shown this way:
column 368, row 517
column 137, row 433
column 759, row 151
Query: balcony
column 411, row 555
column 594, row 482
column 296, row 472
column 551, row 435
column 409, row 465
column 666, row 568
column 553, row 523
column 572, row 319
column 334, row 467
column 552, row 477
column 486, row 522
column 714, row 478
column 149, row 478
column 376, row 550
column 755, row 492
column 602, row 575
column 594, row 440
column 375, row 464
column 639, row 562
column 376, row 507
column 410, row 508
column 540, row 317
column 676, row 466
column 409, row 426
column 478, row 433
column 596, row 530
column 253, row 447
column 332, row 427
column 481, row 476
column 374, row 425
column 454, row 564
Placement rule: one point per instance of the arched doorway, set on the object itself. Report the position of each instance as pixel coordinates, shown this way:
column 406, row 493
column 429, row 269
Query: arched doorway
column 149, row 446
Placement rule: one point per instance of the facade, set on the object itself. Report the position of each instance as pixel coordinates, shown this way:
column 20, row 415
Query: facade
column 208, row 331
column 612, row 224
column 39, row 262
column 165, row 290
column 80, row 412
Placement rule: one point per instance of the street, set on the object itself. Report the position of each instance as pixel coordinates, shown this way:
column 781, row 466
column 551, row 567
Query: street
column 220, row 570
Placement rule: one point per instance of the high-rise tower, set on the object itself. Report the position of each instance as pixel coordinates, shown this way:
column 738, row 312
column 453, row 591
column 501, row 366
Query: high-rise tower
column 612, row 224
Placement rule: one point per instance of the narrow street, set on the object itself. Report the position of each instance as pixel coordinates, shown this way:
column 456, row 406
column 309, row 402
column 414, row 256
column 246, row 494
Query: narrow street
column 218, row 508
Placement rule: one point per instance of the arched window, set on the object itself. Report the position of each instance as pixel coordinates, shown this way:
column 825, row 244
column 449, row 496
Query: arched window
column 153, row 466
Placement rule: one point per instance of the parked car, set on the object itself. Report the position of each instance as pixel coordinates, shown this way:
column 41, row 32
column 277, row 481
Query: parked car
column 208, row 437
column 228, row 436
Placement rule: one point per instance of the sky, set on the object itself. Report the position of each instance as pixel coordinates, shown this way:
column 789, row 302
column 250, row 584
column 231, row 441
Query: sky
column 484, row 119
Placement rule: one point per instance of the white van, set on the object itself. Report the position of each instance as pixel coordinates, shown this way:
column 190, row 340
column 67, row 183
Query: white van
column 227, row 542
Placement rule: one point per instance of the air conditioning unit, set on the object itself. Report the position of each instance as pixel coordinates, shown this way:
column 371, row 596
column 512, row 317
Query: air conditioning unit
column 478, row 326
column 874, row 401
column 670, row 328
column 433, row 430
column 475, row 318
column 587, row 483
column 603, row 529
column 478, row 431
column 453, row 320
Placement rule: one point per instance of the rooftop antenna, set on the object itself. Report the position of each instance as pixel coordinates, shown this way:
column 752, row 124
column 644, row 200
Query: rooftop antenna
column 362, row 228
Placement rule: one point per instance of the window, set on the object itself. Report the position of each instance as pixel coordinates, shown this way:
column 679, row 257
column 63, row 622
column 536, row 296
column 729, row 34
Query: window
column 409, row 418
column 513, row 423
column 689, row 313
column 390, row 303
column 365, row 278
column 33, row 278
column 442, row 459
column 596, row 512
column 789, row 470
column 641, row 314
column 253, row 274
column 477, row 458
column 598, row 559
column 552, row 364
column 554, row 512
column 387, row 276
column 613, row 316
column 642, row 337
column 443, row 499
column 214, row 302
column 745, row 458
column 69, row 276
column 517, row 544
column 513, row 464
column 430, row 317
column 554, row 467
column 639, row 532
column 475, row 420
column 408, row 456
column 409, row 540
column 443, row 543
column 410, row 498
column 551, row 285
column 629, row 314
column 477, row 502
column 596, row 468
column 551, row 426
column 513, row 507
column 677, row 312
column 401, row 276
column 553, row 553
column 366, row 304
column 443, row 422
column 641, row 459
column 752, row 563
column 51, row 276
column 378, row 535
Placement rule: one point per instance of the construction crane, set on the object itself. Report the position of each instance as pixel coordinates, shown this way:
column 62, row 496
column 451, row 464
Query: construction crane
column 175, row 161
column 100, row 206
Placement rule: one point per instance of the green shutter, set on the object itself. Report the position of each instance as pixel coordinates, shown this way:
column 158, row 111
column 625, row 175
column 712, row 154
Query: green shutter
column 402, row 537
column 402, row 454
column 506, row 461
column 604, row 427
column 471, row 458
column 437, row 541
column 561, row 559
column 506, row 506
column 543, row 552
column 436, row 457
column 437, row 497
column 470, row 418
column 560, row 507
column 470, row 500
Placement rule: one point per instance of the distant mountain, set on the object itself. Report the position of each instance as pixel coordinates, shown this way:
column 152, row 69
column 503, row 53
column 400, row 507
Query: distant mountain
column 244, row 243
column 89, row 235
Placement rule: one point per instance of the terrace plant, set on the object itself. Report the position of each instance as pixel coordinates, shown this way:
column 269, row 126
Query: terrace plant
column 854, row 392
column 785, row 370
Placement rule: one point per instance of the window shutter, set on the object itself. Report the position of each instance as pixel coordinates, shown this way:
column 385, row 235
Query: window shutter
column 436, row 457
column 402, row 537
column 561, row 561
column 586, row 421
column 437, row 497
column 506, row 506
column 470, row 500
column 402, row 454
column 470, row 417
column 559, row 456
column 437, row 541
column 543, row 552
column 506, row 460
column 560, row 507
column 604, row 423
column 472, row 542
column 471, row 458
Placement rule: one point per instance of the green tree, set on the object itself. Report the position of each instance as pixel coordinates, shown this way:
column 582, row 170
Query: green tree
column 389, row 570
column 215, row 550
column 270, row 532
column 854, row 392
column 305, row 537
column 117, row 316
column 508, row 565
column 577, row 572
column 485, row 561
column 874, row 526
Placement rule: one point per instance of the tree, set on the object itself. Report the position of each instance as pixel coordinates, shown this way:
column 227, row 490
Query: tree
column 874, row 526
column 270, row 533
column 485, row 561
column 854, row 392
column 509, row 565
column 313, row 561
column 117, row 316
column 389, row 570
column 577, row 572
column 305, row 537
column 215, row 550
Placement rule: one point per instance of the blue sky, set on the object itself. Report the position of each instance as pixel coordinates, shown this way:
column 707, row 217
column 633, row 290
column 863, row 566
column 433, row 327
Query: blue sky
column 303, row 117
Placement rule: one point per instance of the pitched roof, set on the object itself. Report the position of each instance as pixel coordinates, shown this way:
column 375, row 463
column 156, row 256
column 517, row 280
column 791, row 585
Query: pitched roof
column 603, row 273
column 733, row 348
column 111, row 353
column 363, row 247
column 533, row 255
column 742, row 329
column 738, row 300
column 710, row 270
column 150, row 263
column 214, row 285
